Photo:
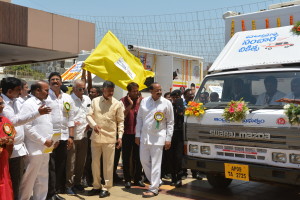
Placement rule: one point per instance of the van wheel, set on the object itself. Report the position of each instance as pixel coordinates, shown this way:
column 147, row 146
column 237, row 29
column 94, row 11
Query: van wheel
column 269, row 48
column 218, row 180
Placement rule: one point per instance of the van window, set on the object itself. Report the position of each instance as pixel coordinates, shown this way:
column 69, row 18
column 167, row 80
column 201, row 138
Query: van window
column 258, row 89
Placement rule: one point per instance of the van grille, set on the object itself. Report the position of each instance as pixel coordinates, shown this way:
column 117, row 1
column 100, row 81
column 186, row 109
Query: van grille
column 240, row 152
column 276, row 138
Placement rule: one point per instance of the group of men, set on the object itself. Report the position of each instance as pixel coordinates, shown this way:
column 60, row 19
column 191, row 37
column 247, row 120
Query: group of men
column 51, row 143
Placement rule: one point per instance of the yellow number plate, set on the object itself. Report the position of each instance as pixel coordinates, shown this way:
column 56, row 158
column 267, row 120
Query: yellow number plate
column 236, row 171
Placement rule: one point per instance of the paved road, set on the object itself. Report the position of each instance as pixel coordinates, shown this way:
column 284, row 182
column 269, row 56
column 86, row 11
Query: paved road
column 200, row 190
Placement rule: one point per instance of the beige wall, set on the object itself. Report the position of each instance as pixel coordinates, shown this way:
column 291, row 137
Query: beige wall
column 9, row 1
column 40, row 29
column 55, row 32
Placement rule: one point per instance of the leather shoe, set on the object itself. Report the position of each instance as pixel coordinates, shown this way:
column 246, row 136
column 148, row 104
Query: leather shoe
column 104, row 193
column 178, row 184
column 139, row 183
column 57, row 197
column 69, row 191
column 93, row 192
column 78, row 188
column 197, row 176
column 127, row 185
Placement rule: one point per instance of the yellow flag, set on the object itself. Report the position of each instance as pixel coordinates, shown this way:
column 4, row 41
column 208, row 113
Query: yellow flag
column 112, row 61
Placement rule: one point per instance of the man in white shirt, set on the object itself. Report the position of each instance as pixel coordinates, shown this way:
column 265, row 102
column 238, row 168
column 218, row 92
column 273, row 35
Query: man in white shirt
column 154, row 130
column 38, row 135
column 62, row 114
column 272, row 94
column 77, row 154
column 23, row 95
column 11, row 88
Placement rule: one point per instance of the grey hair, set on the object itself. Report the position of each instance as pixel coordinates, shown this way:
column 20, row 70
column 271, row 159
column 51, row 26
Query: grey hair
column 76, row 82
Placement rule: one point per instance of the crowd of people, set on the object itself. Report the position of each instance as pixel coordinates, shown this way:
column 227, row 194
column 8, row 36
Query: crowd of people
column 52, row 142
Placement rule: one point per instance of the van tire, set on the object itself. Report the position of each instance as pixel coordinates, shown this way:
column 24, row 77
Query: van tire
column 218, row 180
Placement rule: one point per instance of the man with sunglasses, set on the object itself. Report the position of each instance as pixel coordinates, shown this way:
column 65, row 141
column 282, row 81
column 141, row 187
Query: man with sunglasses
column 77, row 154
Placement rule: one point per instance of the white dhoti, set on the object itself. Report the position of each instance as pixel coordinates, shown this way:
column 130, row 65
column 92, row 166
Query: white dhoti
column 35, row 179
column 151, row 156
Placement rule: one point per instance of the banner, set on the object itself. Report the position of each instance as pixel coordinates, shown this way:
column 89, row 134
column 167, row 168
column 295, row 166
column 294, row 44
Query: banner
column 113, row 62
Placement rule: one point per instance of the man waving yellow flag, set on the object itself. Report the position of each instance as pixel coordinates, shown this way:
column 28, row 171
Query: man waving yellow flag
column 112, row 61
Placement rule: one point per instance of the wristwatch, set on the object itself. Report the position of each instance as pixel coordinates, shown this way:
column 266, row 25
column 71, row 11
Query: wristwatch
column 72, row 137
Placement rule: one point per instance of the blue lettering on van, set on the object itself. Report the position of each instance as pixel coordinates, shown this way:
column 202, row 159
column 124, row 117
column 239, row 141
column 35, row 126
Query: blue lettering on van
column 245, row 121
column 251, row 42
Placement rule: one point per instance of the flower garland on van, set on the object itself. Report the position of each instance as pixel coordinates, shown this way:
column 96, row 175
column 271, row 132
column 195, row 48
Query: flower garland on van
column 292, row 111
column 296, row 28
column 195, row 109
column 236, row 111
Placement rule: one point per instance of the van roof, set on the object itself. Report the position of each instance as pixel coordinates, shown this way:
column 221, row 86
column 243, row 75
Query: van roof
column 257, row 49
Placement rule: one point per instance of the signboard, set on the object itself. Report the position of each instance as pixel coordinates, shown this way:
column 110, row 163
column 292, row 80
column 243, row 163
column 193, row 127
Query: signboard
column 250, row 49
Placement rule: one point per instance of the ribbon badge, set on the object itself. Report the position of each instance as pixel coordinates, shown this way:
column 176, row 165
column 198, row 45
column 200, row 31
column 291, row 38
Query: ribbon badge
column 8, row 129
column 158, row 116
column 67, row 107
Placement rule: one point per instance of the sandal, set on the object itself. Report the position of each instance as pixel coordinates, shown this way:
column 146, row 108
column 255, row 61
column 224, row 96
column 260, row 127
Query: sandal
column 149, row 194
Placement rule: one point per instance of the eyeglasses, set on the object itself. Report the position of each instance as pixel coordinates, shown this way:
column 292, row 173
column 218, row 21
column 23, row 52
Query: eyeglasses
column 1, row 103
column 80, row 89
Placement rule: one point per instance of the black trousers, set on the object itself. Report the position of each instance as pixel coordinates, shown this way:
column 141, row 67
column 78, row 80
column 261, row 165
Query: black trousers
column 172, row 158
column 175, row 154
column 87, row 174
column 131, row 158
column 16, row 170
column 57, row 169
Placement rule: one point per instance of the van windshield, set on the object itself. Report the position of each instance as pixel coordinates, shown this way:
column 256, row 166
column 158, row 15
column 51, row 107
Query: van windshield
column 260, row 90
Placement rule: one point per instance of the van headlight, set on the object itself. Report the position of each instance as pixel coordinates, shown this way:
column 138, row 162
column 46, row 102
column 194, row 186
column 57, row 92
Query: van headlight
column 205, row 150
column 193, row 148
column 279, row 157
column 295, row 158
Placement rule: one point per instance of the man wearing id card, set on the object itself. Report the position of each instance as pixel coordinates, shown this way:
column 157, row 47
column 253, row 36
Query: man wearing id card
column 38, row 135
column 154, row 130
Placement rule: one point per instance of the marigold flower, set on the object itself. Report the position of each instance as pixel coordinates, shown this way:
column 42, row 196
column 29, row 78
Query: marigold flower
column 194, row 109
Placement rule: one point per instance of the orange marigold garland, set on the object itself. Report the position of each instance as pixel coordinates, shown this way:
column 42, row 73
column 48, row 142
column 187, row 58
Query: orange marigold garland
column 296, row 28
column 194, row 109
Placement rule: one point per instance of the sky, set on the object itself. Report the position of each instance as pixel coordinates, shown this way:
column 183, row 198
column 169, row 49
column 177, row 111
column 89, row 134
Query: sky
column 193, row 27
column 133, row 7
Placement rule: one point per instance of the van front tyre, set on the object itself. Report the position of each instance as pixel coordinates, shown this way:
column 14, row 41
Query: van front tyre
column 218, row 180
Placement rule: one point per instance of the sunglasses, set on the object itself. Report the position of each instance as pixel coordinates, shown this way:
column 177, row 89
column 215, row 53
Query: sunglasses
column 80, row 89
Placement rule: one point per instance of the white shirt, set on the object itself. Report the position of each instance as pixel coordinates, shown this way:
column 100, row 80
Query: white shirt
column 81, row 109
column 11, row 112
column 262, row 99
column 38, row 130
column 146, row 127
column 20, row 101
column 61, row 119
